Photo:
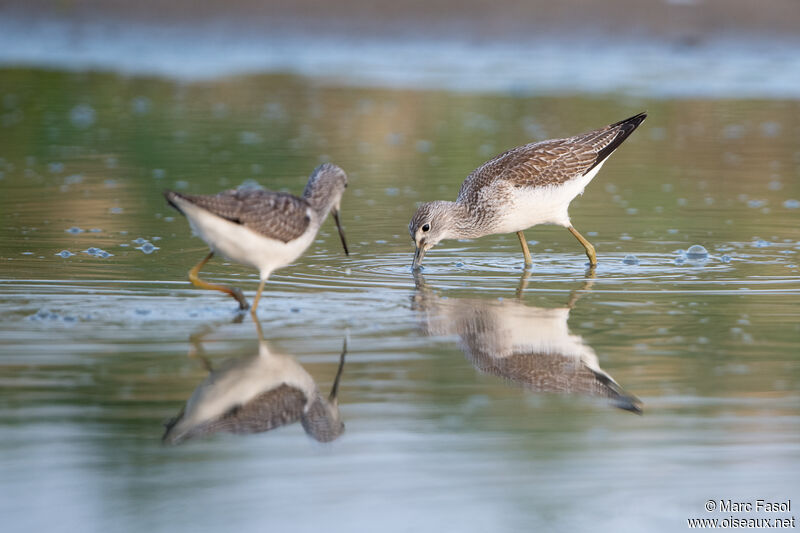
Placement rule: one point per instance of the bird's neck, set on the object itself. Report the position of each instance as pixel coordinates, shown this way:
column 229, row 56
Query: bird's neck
column 462, row 223
column 321, row 200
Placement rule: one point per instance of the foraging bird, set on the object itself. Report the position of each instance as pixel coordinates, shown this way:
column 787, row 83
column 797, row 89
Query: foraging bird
column 259, row 228
column 525, row 186
column 529, row 346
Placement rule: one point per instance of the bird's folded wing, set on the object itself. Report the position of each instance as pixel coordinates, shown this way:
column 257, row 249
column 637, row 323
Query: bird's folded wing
column 276, row 215
column 540, row 164
column 269, row 410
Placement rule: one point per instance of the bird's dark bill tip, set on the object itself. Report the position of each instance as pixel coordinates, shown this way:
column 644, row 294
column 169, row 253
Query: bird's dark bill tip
column 419, row 254
column 341, row 232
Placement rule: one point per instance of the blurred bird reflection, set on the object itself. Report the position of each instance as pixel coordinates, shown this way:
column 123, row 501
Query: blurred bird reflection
column 530, row 346
column 257, row 393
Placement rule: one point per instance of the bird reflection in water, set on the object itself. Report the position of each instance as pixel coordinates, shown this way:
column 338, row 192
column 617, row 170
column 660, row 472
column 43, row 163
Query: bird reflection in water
column 257, row 393
column 530, row 346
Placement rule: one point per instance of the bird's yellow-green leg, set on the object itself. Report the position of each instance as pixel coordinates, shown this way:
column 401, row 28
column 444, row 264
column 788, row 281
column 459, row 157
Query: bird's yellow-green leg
column 258, row 297
column 525, row 251
column 587, row 286
column 523, row 282
column 586, row 245
column 196, row 281
column 258, row 327
column 196, row 349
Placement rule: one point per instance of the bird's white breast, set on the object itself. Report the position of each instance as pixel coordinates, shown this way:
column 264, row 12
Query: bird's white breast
column 243, row 245
column 529, row 206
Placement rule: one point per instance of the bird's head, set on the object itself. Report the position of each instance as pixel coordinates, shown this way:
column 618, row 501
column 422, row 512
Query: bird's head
column 325, row 187
column 429, row 225
column 324, row 192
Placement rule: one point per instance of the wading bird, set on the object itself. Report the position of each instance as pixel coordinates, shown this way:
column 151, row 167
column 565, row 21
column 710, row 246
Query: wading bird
column 259, row 228
column 525, row 186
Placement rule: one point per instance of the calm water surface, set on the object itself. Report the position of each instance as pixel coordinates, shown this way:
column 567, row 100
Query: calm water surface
column 102, row 339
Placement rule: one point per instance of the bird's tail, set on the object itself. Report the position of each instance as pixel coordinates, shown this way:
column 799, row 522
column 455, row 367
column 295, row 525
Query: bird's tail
column 170, row 196
column 623, row 130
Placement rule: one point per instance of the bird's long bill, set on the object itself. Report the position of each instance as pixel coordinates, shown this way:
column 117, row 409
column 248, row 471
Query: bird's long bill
column 419, row 253
column 335, row 213
column 332, row 397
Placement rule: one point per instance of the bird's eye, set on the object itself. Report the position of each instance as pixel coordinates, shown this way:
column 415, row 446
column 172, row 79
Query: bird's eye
column 426, row 227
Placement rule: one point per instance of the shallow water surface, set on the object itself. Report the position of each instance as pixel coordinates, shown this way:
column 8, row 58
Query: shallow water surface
column 474, row 397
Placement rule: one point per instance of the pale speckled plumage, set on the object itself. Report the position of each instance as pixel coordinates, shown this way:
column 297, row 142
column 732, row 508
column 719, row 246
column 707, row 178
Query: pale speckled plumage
column 525, row 186
column 242, row 244
column 276, row 215
column 263, row 229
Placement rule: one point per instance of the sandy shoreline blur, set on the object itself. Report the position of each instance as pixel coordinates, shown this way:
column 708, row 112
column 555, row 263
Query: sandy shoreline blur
column 640, row 48
column 685, row 22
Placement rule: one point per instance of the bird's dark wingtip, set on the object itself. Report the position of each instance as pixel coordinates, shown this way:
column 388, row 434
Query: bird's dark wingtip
column 632, row 122
column 629, row 403
column 624, row 129
column 617, row 395
column 168, row 437
column 170, row 197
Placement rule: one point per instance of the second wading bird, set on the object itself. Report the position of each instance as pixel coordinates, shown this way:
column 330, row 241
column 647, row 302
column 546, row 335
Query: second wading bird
column 525, row 186
column 259, row 228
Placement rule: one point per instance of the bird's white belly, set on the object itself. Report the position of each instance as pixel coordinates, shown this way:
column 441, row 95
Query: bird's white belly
column 542, row 205
column 241, row 244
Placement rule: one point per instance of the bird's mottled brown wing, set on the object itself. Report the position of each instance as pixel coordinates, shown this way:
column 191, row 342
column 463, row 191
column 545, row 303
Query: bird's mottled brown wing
column 274, row 408
column 276, row 215
column 550, row 162
column 552, row 372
